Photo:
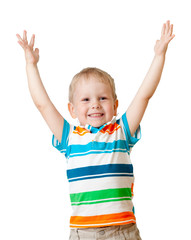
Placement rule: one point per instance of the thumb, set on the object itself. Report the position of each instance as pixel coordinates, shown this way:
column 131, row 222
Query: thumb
column 36, row 50
column 157, row 41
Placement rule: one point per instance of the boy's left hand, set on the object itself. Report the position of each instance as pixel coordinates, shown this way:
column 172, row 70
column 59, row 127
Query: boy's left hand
column 166, row 36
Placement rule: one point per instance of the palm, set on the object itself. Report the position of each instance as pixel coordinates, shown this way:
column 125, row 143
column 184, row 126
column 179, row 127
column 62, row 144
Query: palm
column 31, row 55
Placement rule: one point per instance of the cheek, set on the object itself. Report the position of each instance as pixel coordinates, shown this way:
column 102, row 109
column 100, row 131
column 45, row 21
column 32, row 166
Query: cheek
column 82, row 109
column 109, row 109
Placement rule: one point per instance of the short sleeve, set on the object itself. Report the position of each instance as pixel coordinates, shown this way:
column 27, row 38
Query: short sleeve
column 131, row 140
column 62, row 146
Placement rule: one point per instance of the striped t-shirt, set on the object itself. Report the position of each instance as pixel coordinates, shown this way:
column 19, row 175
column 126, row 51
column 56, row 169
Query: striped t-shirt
column 99, row 172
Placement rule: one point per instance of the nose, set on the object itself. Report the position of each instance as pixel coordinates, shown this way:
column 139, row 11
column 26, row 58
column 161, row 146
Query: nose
column 96, row 105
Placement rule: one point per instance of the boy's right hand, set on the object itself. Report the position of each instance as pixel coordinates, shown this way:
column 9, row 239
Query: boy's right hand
column 31, row 55
column 39, row 95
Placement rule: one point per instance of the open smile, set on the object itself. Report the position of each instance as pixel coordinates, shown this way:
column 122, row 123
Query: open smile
column 95, row 115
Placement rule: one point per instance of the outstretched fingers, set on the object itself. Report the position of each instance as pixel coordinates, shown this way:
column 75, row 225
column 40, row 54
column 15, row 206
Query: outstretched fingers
column 20, row 41
column 166, row 36
column 31, row 44
column 25, row 36
column 170, row 34
column 167, row 31
column 24, row 42
column 31, row 54
column 167, row 27
column 163, row 29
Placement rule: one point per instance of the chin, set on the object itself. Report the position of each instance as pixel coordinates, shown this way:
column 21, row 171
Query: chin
column 97, row 125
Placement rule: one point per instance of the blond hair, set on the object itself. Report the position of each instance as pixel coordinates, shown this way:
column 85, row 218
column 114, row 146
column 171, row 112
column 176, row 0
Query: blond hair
column 87, row 73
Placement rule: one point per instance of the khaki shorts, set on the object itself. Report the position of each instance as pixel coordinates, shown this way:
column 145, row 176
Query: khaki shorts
column 121, row 232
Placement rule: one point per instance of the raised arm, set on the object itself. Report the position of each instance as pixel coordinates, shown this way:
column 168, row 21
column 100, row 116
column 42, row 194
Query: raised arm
column 38, row 93
column 139, row 104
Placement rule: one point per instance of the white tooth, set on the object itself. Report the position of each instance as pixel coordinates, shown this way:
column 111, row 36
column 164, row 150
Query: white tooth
column 95, row 114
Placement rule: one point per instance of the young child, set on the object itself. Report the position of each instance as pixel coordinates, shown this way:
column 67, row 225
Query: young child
column 99, row 169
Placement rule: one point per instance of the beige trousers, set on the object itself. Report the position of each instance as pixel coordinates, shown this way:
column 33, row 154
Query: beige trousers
column 121, row 232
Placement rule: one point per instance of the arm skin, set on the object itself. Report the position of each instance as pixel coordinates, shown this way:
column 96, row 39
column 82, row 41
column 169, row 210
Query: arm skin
column 140, row 102
column 38, row 93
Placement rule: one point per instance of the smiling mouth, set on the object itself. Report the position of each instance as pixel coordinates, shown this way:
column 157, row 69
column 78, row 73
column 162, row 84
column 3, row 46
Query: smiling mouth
column 96, row 115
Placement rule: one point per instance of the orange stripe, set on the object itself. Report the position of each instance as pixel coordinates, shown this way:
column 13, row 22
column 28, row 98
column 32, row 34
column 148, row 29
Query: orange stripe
column 80, row 131
column 102, row 220
column 111, row 128
column 132, row 186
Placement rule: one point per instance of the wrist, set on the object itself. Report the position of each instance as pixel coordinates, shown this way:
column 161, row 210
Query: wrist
column 29, row 65
column 161, row 53
column 160, row 56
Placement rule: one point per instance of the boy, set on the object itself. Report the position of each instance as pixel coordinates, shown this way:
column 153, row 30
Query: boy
column 99, row 171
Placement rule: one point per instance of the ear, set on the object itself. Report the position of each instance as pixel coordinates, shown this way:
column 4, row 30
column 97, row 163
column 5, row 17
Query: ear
column 115, row 107
column 71, row 110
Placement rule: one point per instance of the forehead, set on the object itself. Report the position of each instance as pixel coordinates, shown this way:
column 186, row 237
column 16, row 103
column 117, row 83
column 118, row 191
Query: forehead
column 91, row 86
column 84, row 82
column 92, row 77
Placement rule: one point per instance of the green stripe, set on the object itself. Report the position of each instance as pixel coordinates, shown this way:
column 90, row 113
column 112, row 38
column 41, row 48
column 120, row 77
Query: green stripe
column 101, row 201
column 100, row 195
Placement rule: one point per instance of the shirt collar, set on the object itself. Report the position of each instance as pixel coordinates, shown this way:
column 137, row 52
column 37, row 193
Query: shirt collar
column 95, row 129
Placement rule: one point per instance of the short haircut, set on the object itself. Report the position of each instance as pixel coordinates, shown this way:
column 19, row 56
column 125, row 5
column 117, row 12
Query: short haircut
column 87, row 73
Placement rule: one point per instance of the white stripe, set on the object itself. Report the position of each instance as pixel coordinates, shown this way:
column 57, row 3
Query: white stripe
column 99, row 175
column 100, row 200
column 103, row 224
column 92, row 151
column 99, row 159
column 63, row 150
column 102, row 208
column 98, row 183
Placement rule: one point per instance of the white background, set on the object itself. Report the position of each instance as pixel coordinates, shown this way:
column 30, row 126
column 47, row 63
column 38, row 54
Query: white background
column 118, row 37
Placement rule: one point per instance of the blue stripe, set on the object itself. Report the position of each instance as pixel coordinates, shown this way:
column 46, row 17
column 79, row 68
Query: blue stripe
column 132, row 140
column 97, row 147
column 64, row 142
column 97, row 170
column 95, row 129
column 102, row 176
column 65, row 133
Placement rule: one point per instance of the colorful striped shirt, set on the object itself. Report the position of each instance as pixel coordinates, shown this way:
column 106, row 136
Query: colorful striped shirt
column 99, row 172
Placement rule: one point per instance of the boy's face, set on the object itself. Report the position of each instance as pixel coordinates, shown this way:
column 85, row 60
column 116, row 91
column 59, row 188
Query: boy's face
column 93, row 102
